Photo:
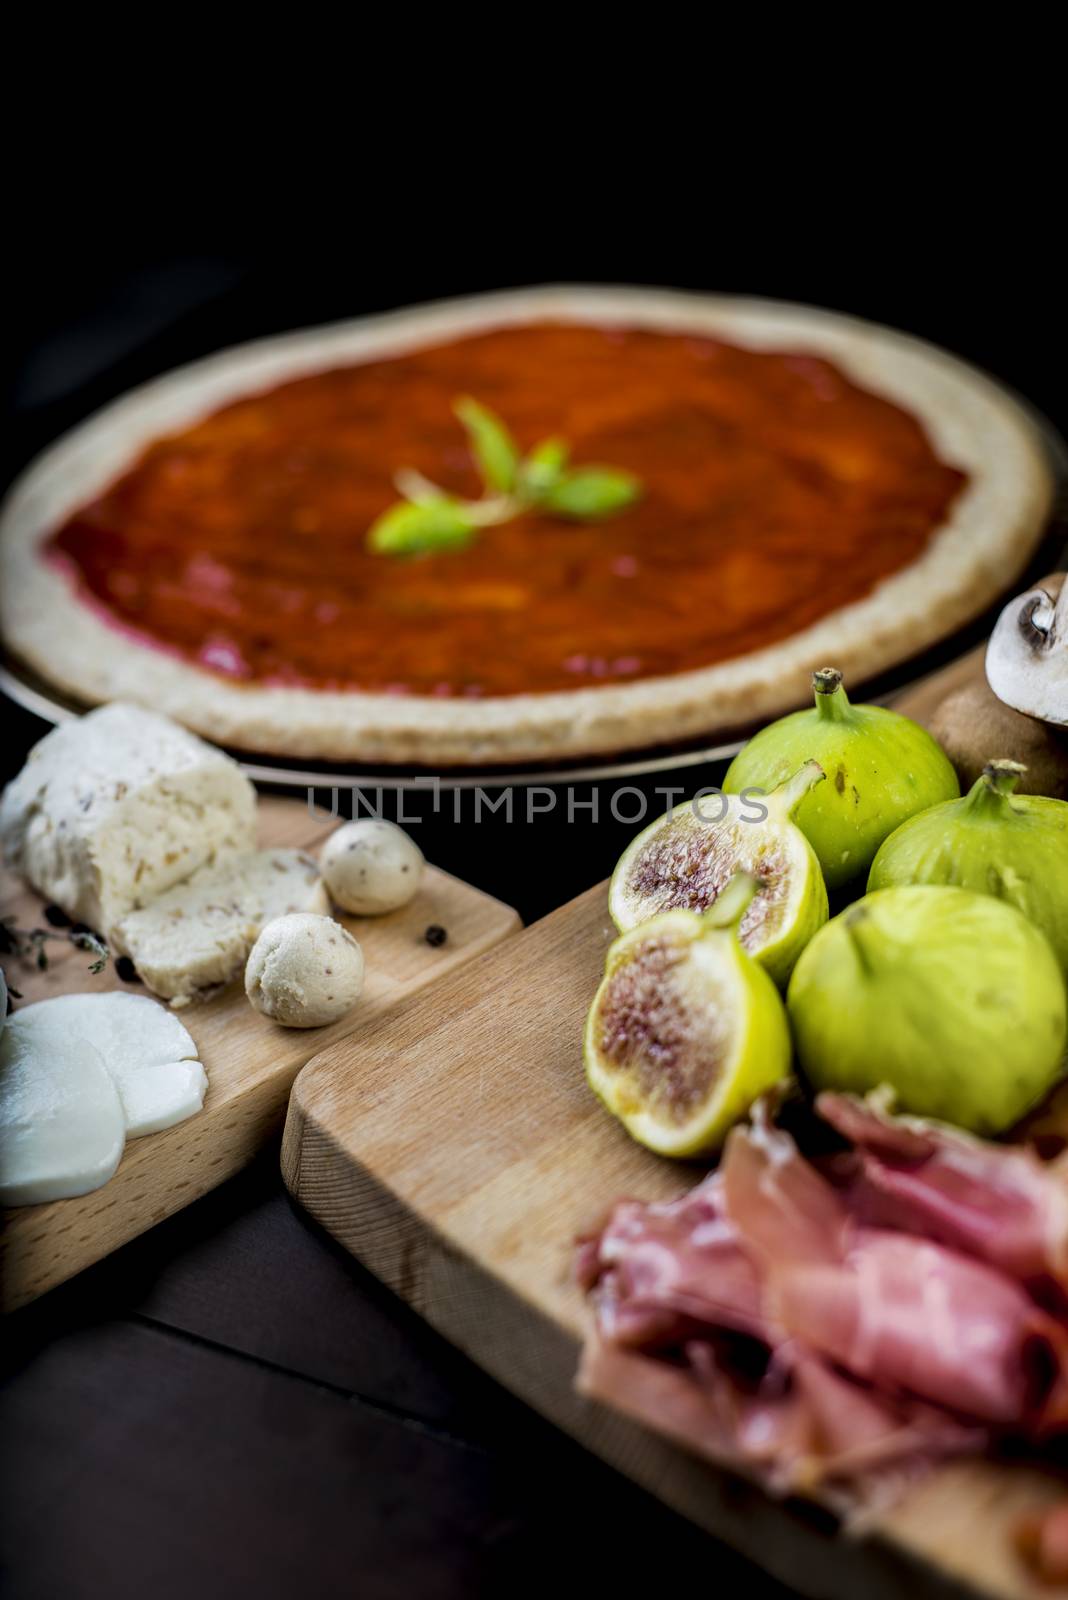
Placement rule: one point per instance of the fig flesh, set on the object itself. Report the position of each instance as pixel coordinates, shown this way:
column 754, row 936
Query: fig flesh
column 952, row 999
column 686, row 1031
column 685, row 859
column 881, row 769
column 995, row 842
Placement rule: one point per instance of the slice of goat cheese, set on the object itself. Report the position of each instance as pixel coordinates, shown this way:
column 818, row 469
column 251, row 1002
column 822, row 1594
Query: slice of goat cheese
column 62, row 1127
column 197, row 936
column 151, row 1057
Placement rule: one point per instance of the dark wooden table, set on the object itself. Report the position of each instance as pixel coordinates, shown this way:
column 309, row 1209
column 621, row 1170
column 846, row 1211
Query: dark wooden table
column 230, row 1406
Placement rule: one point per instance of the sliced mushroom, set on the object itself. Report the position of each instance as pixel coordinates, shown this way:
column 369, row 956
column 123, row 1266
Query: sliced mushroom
column 1027, row 657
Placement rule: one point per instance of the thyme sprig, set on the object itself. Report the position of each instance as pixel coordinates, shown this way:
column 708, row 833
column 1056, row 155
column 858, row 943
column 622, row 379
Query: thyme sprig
column 28, row 944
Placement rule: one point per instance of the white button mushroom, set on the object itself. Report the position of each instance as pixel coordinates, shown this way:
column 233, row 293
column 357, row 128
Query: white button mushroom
column 1027, row 657
column 304, row 971
column 371, row 866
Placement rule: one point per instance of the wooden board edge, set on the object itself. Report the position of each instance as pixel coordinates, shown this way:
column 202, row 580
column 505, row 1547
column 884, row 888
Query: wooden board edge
column 26, row 1274
column 251, row 1121
column 535, row 1359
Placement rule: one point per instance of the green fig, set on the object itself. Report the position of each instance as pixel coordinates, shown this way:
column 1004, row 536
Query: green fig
column 686, row 1030
column 995, row 842
column 685, row 858
column 881, row 769
column 953, row 999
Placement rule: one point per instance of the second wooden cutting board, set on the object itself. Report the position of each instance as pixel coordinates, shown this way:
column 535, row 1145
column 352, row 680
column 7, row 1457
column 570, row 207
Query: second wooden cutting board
column 250, row 1062
column 457, row 1151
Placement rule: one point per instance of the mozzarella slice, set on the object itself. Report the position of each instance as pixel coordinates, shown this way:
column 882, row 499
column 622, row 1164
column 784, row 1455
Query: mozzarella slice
column 61, row 1123
column 150, row 1056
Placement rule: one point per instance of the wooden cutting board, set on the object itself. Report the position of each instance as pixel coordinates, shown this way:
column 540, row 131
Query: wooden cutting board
column 250, row 1062
column 456, row 1151
column 923, row 699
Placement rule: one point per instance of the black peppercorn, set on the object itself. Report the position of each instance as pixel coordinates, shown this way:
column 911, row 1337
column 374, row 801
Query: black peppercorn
column 435, row 935
column 125, row 969
column 57, row 917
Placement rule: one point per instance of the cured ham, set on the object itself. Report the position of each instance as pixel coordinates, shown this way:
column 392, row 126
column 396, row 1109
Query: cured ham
column 666, row 1268
column 822, row 1321
column 801, row 1426
column 997, row 1202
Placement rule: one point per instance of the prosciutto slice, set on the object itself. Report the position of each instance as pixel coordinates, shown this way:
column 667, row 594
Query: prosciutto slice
column 890, row 1307
column 802, row 1427
column 824, row 1322
column 999, row 1203
column 667, row 1269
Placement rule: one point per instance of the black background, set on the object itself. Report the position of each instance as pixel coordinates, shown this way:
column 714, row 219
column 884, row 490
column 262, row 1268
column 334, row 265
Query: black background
column 139, row 1461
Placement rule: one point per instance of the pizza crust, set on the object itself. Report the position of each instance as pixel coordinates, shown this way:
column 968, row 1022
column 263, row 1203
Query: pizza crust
column 995, row 526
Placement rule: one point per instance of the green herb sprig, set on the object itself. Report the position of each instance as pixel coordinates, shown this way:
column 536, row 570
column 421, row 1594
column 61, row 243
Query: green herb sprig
column 29, row 944
column 428, row 518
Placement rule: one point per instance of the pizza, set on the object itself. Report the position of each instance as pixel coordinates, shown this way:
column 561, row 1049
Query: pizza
column 814, row 489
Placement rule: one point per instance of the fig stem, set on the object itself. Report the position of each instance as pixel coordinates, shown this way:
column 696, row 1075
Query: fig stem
column 832, row 702
column 788, row 796
column 732, row 902
column 856, row 927
column 991, row 791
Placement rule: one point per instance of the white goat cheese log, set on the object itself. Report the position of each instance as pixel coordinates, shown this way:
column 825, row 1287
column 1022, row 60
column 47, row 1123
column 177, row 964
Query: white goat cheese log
column 114, row 808
column 197, row 936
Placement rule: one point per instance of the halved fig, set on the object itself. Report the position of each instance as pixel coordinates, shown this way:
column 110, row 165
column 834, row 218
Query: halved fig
column 686, row 859
column 686, row 1030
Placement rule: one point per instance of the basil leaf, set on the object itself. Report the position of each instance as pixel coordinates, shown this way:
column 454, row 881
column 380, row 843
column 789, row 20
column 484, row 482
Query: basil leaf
column 413, row 486
column 492, row 445
column 590, row 492
column 407, row 529
column 542, row 468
